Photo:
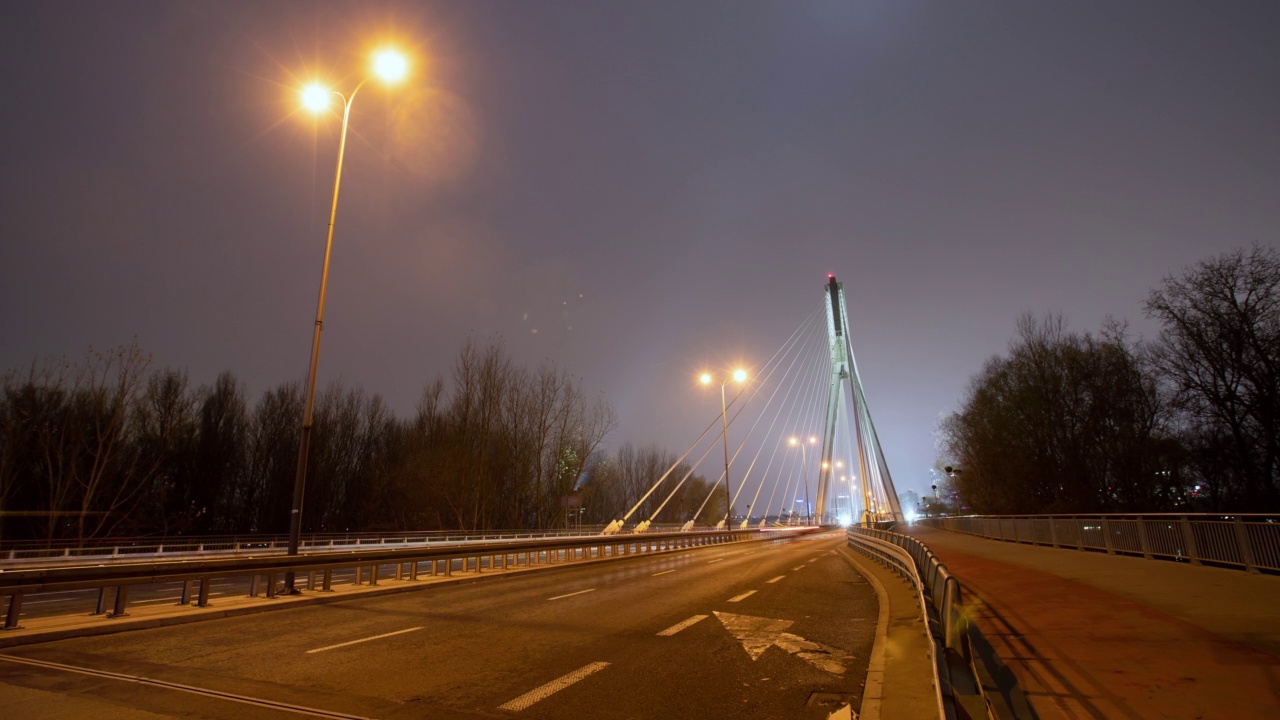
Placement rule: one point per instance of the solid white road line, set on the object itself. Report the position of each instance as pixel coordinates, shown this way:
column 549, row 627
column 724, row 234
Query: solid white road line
column 743, row 596
column 572, row 594
column 361, row 640
column 682, row 625
column 230, row 697
column 770, row 582
column 664, row 572
column 555, row 686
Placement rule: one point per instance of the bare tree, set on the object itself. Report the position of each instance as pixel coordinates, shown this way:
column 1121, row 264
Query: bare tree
column 1220, row 350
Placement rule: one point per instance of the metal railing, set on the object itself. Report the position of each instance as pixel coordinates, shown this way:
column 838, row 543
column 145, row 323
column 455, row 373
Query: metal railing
column 1247, row 541
column 111, row 548
column 317, row 568
column 965, row 666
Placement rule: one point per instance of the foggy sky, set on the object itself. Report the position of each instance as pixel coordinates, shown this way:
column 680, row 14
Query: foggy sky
column 671, row 180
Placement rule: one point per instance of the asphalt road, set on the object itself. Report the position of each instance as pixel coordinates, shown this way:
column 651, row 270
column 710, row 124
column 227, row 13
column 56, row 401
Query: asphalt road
column 778, row 629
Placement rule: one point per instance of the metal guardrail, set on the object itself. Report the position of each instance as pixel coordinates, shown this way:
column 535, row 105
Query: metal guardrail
column 58, row 550
column 198, row 575
column 970, row 679
column 1249, row 542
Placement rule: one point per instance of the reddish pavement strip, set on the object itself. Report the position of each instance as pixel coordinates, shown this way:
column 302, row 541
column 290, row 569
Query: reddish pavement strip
column 1082, row 652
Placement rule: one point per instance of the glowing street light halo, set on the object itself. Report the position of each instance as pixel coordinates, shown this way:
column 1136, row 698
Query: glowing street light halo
column 390, row 65
column 316, row 97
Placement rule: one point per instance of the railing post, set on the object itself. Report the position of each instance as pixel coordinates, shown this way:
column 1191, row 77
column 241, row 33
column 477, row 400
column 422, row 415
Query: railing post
column 1106, row 536
column 1143, row 541
column 15, row 610
column 1053, row 532
column 1246, row 548
column 1189, row 540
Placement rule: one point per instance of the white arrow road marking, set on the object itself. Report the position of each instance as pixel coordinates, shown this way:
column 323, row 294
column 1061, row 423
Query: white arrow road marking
column 682, row 625
column 758, row 634
column 544, row 691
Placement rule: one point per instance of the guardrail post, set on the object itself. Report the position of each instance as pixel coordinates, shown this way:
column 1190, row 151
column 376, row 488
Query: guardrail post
column 326, row 582
column 15, row 610
column 122, row 597
column 186, row 593
column 1246, row 548
column 101, row 607
column 373, row 574
column 271, row 584
column 1143, row 541
column 1189, row 540
column 448, row 567
column 1106, row 537
column 253, row 586
column 202, row 596
column 413, row 570
column 311, row 579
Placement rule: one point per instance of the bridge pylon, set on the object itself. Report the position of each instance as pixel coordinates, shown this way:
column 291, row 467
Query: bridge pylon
column 846, row 400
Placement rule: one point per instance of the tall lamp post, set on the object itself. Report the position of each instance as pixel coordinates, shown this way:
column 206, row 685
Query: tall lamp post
column 390, row 67
column 804, row 469
column 737, row 376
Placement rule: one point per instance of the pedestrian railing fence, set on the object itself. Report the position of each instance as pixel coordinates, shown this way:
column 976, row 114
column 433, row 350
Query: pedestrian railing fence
column 1248, row 541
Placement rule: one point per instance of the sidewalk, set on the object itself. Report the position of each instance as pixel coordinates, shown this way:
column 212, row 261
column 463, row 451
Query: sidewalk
column 1091, row 635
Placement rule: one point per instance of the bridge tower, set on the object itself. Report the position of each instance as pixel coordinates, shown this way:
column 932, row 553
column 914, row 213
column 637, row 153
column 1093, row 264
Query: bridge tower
column 846, row 401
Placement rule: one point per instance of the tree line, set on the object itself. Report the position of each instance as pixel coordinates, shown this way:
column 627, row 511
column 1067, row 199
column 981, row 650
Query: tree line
column 1078, row 422
column 109, row 446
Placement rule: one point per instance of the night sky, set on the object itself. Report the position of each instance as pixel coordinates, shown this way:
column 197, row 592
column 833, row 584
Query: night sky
column 654, row 187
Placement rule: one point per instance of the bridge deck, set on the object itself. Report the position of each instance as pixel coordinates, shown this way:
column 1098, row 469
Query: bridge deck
column 1095, row 635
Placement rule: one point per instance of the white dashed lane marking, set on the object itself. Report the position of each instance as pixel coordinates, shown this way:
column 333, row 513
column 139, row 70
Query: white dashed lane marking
column 774, row 580
column 555, row 686
column 580, row 592
column 743, row 596
column 363, row 640
column 682, row 625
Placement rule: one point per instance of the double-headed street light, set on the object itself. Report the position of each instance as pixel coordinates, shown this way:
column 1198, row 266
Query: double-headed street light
column 804, row 470
column 390, row 67
column 738, row 376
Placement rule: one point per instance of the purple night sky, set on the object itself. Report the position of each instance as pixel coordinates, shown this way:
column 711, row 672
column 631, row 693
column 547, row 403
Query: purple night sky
column 654, row 187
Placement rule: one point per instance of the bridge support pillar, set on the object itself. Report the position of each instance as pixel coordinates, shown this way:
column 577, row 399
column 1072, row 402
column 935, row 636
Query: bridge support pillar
column 122, row 598
column 15, row 610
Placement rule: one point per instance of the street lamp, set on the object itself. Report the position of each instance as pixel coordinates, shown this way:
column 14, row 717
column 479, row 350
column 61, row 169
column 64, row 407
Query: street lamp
column 738, row 376
column 804, row 469
column 390, row 67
